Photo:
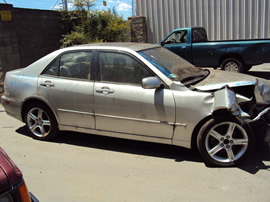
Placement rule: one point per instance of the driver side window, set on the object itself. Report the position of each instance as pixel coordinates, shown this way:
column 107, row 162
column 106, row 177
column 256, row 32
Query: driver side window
column 177, row 37
column 121, row 68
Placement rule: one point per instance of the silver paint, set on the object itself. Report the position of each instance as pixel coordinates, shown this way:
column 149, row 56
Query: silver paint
column 165, row 115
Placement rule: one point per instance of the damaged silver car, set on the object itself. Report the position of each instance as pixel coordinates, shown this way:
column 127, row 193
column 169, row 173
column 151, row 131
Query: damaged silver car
column 140, row 92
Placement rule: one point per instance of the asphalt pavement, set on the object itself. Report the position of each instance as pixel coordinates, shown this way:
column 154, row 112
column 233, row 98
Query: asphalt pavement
column 262, row 71
column 81, row 167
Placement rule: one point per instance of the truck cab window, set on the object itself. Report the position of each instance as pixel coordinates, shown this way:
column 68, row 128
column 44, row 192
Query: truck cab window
column 177, row 37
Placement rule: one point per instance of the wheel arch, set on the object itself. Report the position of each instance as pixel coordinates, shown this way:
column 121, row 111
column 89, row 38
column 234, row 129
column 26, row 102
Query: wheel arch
column 231, row 55
column 36, row 100
column 196, row 130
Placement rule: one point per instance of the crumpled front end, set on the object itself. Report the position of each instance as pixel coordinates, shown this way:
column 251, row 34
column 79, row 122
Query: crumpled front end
column 228, row 101
column 226, row 104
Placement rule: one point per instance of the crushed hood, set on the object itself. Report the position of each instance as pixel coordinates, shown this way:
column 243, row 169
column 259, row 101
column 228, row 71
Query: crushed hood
column 221, row 84
column 218, row 79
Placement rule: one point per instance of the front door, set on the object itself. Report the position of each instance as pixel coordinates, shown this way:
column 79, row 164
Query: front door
column 123, row 106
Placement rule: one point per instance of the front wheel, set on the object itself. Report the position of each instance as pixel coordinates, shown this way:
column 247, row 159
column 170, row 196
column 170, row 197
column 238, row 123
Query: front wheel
column 225, row 143
column 40, row 122
column 232, row 65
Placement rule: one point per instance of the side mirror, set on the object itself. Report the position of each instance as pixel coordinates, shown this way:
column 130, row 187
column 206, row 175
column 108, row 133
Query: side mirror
column 162, row 43
column 151, row 83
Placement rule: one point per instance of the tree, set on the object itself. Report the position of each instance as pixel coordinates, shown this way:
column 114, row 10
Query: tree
column 82, row 4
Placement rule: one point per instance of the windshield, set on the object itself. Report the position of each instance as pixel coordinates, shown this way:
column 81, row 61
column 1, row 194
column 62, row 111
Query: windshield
column 173, row 66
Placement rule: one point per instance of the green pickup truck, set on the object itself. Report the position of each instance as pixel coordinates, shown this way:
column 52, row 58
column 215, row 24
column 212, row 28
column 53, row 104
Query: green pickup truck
column 231, row 55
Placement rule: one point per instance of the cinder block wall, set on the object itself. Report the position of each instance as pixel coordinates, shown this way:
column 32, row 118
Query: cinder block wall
column 9, row 51
column 28, row 36
column 32, row 34
column 38, row 32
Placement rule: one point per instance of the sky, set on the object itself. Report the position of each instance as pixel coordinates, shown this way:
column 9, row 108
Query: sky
column 123, row 7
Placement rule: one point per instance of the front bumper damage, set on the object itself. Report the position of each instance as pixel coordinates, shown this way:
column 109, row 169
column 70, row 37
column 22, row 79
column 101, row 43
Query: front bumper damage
column 227, row 102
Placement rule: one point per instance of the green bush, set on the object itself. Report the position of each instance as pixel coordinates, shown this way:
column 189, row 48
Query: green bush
column 94, row 26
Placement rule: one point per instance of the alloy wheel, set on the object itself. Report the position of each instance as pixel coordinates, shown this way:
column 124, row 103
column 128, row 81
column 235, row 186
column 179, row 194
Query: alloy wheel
column 38, row 122
column 226, row 142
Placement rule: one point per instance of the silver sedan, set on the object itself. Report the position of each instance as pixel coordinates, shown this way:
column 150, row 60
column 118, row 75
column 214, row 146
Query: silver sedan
column 140, row 92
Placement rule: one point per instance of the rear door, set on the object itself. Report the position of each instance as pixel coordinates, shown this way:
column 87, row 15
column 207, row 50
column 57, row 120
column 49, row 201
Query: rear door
column 67, row 85
column 123, row 106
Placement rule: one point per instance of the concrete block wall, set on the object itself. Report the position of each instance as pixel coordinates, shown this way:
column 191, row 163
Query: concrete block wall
column 28, row 36
column 32, row 34
column 9, row 51
column 38, row 32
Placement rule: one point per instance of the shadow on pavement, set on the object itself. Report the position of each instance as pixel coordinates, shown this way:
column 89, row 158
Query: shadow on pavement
column 122, row 145
column 260, row 158
column 252, row 165
column 255, row 162
column 261, row 74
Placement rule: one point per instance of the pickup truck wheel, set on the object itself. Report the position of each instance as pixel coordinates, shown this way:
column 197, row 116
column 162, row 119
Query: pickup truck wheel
column 225, row 142
column 232, row 65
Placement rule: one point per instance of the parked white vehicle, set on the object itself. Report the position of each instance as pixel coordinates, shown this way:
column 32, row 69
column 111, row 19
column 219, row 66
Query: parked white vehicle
column 141, row 92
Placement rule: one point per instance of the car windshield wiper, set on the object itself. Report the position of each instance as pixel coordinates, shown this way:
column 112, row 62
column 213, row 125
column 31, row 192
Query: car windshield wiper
column 193, row 79
column 184, row 80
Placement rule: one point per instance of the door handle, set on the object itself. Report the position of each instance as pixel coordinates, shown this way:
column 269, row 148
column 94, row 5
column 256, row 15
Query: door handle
column 104, row 90
column 183, row 47
column 47, row 84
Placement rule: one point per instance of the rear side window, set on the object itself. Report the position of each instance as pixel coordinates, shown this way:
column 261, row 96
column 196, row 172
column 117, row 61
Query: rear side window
column 53, row 69
column 199, row 35
column 72, row 65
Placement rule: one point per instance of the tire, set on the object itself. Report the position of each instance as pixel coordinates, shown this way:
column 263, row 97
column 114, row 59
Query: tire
column 225, row 143
column 232, row 65
column 40, row 122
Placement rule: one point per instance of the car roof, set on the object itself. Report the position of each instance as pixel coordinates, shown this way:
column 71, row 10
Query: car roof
column 118, row 45
column 37, row 67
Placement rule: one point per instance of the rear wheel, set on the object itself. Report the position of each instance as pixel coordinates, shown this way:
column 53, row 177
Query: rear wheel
column 232, row 65
column 40, row 122
column 225, row 143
